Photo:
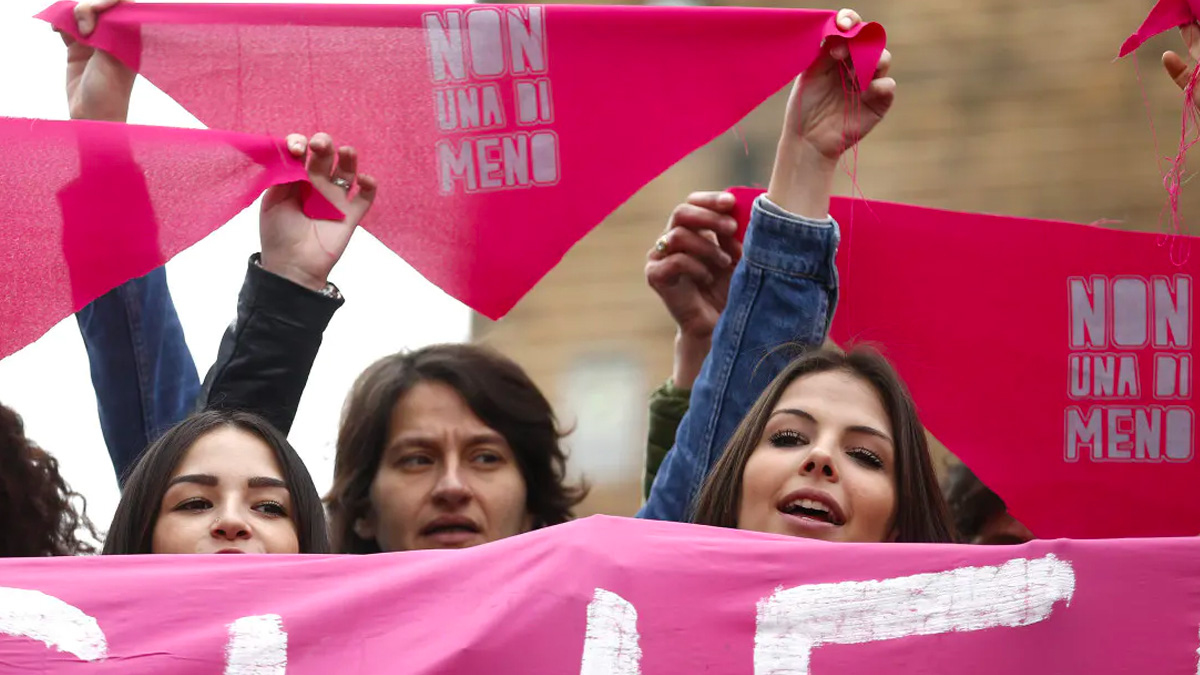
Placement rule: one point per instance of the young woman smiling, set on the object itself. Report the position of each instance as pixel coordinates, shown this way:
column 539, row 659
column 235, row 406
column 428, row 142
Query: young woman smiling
column 832, row 447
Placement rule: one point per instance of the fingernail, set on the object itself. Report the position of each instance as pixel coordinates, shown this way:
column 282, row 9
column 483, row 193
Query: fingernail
column 729, row 223
column 725, row 198
column 726, row 261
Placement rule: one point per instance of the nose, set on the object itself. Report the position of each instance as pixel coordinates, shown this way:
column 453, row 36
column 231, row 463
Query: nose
column 820, row 461
column 230, row 525
column 451, row 490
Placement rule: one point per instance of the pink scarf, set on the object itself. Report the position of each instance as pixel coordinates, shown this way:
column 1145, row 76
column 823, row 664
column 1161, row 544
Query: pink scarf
column 500, row 135
column 93, row 204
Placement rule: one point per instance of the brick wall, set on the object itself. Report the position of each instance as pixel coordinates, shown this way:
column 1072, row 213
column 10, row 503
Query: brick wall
column 1003, row 107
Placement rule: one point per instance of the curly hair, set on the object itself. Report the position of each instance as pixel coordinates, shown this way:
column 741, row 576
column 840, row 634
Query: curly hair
column 37, row 507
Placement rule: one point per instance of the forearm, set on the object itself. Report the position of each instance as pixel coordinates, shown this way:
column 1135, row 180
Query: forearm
column 802, row 180
column 783, row 292
column 690, row 353
column 266, row 356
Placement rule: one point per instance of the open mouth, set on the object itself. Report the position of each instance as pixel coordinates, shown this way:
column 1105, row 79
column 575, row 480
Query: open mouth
column 450, row 527
column 814, row 509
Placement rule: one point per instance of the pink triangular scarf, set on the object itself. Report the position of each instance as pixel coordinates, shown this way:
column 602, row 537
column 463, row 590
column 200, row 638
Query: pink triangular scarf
column 1055, row 359
column 1165, row 15
column 92, row 204
column 500, row 135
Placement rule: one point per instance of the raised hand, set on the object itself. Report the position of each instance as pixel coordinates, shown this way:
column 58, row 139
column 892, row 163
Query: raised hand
column 300, row 248
column 690, row 267
column 819, row 126
column 98, row 85
column 1175, row 65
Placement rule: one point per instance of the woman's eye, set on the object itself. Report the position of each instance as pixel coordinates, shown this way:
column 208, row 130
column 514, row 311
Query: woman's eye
column 272, row 509
column 787, row 439
column 488, row 457
column 414, row 461
column 866, row 457
column 194, row 504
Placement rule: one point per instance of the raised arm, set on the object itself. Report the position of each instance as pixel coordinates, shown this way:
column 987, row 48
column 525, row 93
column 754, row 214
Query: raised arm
column 142, row 371
column 689, row 267
column 286, row 302
column 784, row 290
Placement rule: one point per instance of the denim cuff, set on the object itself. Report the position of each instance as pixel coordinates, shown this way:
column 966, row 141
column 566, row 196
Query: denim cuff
column 792, row 244
column 288, row 301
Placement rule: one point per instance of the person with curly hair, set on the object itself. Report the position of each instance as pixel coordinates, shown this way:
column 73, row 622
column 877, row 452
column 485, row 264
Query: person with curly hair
column 38, row 515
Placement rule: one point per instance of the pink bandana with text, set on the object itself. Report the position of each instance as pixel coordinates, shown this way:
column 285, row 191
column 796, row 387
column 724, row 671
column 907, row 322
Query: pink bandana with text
column 500, row 134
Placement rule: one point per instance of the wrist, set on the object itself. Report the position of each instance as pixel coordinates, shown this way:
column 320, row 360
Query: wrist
column 690, row 352
column 79, row 112
column 802, row 179
column 293, row 273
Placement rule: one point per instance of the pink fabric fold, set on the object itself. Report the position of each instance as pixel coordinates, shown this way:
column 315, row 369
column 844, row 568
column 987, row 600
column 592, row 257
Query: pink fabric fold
column 90, row 205
column 1164, row 16
column 1054, row 359
column 500, row 134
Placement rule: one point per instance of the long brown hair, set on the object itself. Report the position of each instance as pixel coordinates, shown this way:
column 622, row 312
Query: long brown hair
column 38, row 512
column 921, row 514
column 132, row 529
column 495, row 388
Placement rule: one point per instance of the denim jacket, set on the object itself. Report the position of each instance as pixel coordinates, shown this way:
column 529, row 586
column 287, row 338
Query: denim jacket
column 783, row 293
column 142, row 371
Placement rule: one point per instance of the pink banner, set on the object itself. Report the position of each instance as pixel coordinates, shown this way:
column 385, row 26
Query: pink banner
column 610, row 596
column 500, row 135
column 1055, row 359
column 88, row 205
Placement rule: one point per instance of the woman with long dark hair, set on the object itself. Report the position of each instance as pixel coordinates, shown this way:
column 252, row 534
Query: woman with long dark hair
column 219, row 482
column 822, row 445
column 833, row 450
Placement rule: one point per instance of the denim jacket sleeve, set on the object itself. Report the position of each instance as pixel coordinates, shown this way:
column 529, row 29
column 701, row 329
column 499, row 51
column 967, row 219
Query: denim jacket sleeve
column 266, row 356
column 783, row 293
column 142, row 371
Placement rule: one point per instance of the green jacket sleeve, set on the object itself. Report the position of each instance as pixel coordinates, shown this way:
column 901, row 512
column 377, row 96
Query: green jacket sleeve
column 667, row 407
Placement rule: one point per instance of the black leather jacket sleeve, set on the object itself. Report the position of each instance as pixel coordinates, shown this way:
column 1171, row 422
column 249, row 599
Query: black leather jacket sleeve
column 267, row 353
